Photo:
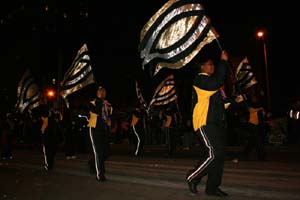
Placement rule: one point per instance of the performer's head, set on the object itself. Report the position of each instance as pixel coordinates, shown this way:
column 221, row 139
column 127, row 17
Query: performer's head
column 204, row 61
column 207, row 67
column 101, row 92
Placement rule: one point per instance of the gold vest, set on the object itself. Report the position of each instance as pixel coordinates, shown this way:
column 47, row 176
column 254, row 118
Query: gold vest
column 168, row 121
column 253, row 119
column 134, row 120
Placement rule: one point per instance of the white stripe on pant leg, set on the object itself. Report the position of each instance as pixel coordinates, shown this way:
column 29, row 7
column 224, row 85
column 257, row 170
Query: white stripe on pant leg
column 45, row 155
column 138, row 142
column 95, row 153
column 207, row 161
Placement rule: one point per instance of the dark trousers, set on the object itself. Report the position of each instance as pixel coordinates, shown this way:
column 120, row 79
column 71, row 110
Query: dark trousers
column 212, row 163
column 139, row 140
column 255, row 140
column 49, row 149
column 70, row 142
column 100, row 147
column 7, row 141
column 171, row 139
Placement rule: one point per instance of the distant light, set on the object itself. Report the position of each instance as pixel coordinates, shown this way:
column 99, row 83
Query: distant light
column 46, row 8
column 2, row 21
column 260, row 34
column 65, row 15
column 50, row 93
column 85, row 14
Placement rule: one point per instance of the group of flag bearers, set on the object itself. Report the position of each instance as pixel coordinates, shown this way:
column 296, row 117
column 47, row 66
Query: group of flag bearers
column 164, row 43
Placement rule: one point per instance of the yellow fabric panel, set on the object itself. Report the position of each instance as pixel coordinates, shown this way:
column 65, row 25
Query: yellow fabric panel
column 44, row 125
column 93, row 117
column 168, row 121
column 253, row 119
column 134, row 120
column 93, row 102
column 93, row 120
column 201, row 108
column 227, row 105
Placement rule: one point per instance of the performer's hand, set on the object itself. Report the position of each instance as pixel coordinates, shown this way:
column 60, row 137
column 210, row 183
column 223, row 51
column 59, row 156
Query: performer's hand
column 224, row 55
column 108, row 122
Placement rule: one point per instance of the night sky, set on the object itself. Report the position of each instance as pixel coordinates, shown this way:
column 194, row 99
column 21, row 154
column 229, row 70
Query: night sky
column 46, row 41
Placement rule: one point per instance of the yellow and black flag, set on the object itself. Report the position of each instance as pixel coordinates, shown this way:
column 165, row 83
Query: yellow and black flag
column 174, row 35
column 79, row 75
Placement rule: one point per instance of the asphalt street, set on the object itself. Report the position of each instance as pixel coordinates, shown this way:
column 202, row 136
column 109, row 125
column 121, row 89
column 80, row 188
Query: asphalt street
column 153, row 176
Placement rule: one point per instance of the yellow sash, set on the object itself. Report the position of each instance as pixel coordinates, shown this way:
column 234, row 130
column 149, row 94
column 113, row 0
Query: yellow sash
column 45, row 124
column 168, row 121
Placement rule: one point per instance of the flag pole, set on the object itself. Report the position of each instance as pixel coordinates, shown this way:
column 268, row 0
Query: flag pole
column 235, row 80
column 219, row 44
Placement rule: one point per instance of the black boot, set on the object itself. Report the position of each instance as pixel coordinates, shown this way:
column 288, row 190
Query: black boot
column 192, row 184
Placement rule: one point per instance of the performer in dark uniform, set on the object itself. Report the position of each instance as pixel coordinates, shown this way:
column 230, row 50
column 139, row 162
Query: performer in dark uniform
column 208, row 122
column 171, row 127
column 99, row 129
column 50, row 135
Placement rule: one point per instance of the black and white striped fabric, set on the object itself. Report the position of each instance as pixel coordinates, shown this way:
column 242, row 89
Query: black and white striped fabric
column 164, row 93
column 28, row 93
column 244, row 75
column 79, row 75
column 174, row 35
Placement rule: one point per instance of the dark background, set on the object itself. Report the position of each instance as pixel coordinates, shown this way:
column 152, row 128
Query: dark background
column 46, row 41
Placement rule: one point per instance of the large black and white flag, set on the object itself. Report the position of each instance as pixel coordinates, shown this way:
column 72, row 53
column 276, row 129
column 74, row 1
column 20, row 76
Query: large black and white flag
column 79, row 75
column 165, row 92
column 174, row 35
column 244, row 75
column 28, row 93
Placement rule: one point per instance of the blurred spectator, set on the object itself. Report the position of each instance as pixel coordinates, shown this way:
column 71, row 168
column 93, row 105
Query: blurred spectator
column 294, row 123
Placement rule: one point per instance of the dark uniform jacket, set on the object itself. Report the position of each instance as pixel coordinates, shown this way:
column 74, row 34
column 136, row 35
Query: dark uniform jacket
column 207, row 101
column 98, row 117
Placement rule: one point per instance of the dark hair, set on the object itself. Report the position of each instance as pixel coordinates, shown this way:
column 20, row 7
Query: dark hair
column 101, row 88
column 208, row 52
